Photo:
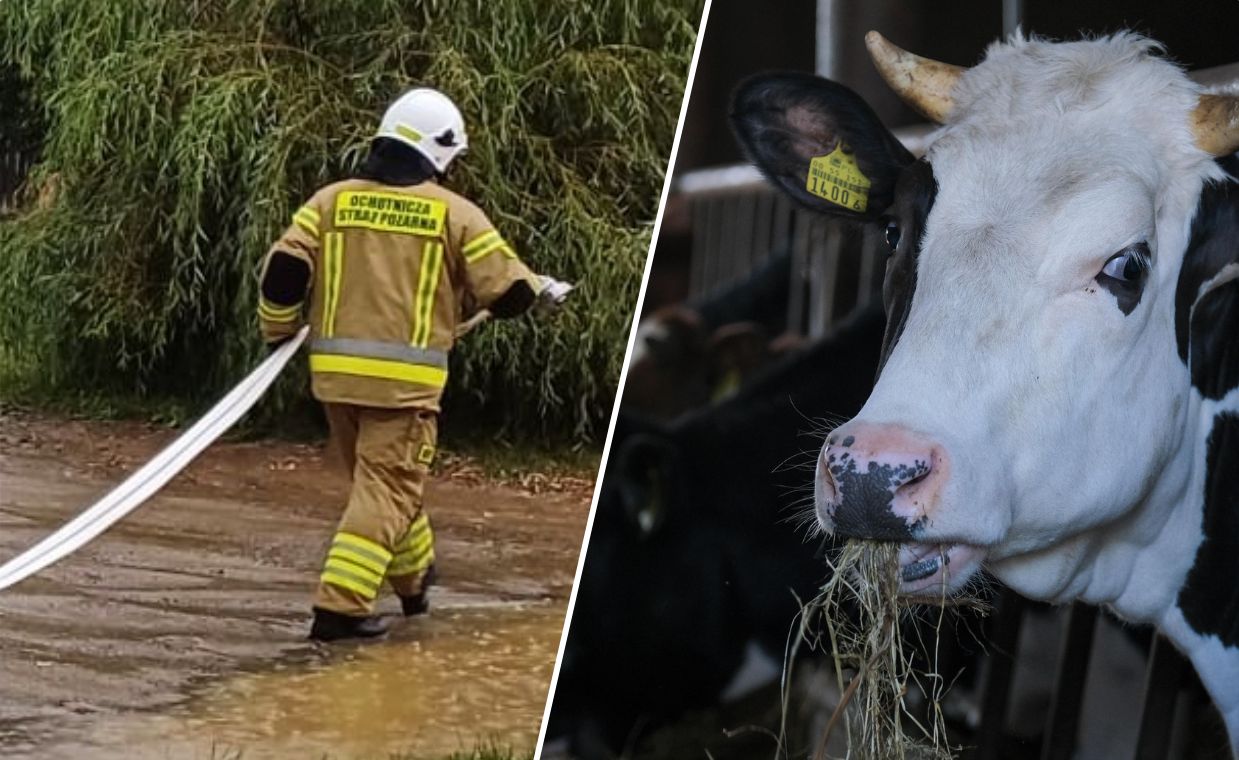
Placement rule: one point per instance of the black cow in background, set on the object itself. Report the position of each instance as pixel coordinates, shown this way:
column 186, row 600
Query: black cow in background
column 695, row 551
column 691, row 354
column 760, row 299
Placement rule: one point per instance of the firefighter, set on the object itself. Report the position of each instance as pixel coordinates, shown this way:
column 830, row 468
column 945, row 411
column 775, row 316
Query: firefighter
column 385, row 266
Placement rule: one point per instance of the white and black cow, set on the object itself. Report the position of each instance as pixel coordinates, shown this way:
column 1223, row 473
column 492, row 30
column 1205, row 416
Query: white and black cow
column 1059, row 394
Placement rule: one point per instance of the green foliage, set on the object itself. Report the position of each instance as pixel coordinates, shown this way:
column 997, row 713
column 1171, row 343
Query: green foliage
column 181, row 135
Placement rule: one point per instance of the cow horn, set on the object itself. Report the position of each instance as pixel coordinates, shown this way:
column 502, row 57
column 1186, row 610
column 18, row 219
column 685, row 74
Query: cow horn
column 1215, row 124
column 923, row 83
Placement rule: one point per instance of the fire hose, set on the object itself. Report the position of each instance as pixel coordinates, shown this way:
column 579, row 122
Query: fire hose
column 155, row 474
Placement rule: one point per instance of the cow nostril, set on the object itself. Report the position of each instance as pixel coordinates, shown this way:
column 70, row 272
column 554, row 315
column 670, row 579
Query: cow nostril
column 918, row 478
column 826, row 489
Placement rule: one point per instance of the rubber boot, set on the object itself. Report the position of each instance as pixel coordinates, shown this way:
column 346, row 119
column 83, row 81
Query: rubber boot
column 334, row 626
column 415, row 605
column 418, row 604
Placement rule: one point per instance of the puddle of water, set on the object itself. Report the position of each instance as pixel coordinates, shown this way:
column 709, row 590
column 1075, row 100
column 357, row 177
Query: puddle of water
column 445, row 683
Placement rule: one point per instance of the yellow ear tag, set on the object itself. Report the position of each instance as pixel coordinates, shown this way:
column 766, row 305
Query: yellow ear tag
column 836, row 178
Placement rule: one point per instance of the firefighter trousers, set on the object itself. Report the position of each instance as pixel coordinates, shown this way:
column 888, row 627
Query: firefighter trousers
column 384, row 533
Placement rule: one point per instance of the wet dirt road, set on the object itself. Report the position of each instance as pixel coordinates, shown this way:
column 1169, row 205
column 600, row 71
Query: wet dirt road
column 179, row 633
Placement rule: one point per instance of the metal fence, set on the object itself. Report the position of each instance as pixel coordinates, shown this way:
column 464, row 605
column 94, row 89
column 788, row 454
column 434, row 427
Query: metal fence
column 1172, row 700
column 740, row 221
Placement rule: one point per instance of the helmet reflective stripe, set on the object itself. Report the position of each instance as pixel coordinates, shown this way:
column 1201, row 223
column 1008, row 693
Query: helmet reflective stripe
column 429, row 122
column 409, row 133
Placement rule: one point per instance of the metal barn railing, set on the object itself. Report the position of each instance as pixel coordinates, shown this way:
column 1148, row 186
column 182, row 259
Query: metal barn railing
column 1172, row 700
column 739, row 222
column 742, row 222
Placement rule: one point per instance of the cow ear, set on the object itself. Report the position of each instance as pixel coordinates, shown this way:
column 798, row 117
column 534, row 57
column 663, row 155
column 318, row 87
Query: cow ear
column 819, row 142
column 646, row 469
column 736, row 352
column 1213, row 342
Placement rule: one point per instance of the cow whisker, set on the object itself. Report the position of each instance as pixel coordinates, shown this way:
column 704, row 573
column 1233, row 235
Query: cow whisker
column 820, row 426
column 803, row 517
column 805, row 459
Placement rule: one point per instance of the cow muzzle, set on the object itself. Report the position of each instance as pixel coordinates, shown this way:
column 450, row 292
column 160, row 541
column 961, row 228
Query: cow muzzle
column 884, row 483
column 878, row 482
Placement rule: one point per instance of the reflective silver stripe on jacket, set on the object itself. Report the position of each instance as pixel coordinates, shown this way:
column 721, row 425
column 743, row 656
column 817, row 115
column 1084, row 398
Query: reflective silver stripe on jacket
column 380, row 349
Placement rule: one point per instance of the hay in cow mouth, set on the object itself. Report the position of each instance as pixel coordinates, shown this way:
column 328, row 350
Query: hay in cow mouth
column 858, row 615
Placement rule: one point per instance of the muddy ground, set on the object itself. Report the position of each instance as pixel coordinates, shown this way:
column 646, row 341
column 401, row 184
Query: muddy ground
column 180, row 632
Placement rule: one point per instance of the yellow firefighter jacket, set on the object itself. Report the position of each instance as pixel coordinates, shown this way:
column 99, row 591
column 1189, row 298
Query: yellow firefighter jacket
column 392, row 271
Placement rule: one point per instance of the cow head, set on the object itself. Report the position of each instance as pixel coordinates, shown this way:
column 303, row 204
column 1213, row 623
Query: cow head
column 1036, row 396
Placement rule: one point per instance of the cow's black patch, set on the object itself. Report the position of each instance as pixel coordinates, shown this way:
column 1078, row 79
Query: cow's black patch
column 1209, row 599
column 1214, row 344
column 914, row 197
column 864, row 508
column 1214, row 244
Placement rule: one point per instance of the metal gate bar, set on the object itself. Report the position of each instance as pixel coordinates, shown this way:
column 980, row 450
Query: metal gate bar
column 1004, row 640
column 1062, row 725
column 1167, row 669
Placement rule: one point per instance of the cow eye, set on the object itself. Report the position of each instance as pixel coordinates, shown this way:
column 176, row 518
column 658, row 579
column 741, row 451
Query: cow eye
column 892, row 234
column 1128, row 265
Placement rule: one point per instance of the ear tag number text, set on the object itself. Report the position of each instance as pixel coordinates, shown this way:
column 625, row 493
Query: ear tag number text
column 836, row 177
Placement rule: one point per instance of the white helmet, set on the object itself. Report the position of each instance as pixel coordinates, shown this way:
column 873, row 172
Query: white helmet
column 429, row 122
